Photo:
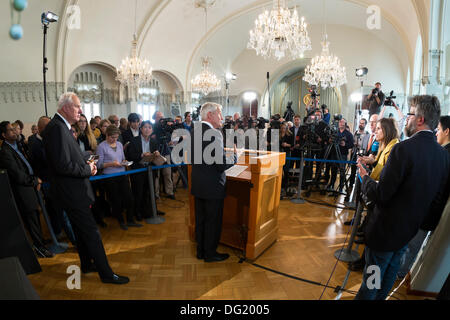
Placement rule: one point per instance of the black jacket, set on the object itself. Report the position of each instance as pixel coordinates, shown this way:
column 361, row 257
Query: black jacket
column 69, row 172
column 411, row 193
column 134, row 151
column 22, row 183
column 208, row 180
column 38, row 159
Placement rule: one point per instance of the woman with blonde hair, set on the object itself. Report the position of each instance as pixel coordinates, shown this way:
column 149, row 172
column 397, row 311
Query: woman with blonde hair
column 386, row 134
column 86, row 138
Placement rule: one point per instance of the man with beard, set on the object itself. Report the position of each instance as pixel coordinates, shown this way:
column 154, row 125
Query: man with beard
column 409, row 196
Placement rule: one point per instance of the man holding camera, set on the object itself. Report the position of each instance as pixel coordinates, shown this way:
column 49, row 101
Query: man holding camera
column 411, row 194
column 344, row 140
column 163, row 146
column 376, row 98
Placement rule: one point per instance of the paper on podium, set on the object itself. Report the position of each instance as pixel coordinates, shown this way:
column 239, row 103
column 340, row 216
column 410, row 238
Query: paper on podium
column 235, row 170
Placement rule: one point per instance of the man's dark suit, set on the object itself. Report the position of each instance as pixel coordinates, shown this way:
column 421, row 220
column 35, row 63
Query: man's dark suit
column 410, row 193
column 127, row 136
column 208, row 188
column 139, row 181
column 69, row 178
column 23, row 186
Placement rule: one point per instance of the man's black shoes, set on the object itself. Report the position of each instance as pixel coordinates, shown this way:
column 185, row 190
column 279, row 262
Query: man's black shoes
column 116, row 279
column 349, row 222
column 160, row 213
column 200, row 255
column 217, row 257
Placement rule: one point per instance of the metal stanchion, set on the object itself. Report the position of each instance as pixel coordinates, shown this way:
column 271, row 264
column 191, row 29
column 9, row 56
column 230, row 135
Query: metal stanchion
column 299, row 199
column 154, row 219
column 56, row 247
column 347, row 254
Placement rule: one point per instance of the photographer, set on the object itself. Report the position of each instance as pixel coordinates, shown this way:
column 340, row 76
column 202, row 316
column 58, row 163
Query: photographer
column 376, row 98
column 344, row 140
column 401, row 117
column 361, row 138
column 326, row 114
column 289, row 114
column 163, row 138
column 315, row 135
column 296, row 132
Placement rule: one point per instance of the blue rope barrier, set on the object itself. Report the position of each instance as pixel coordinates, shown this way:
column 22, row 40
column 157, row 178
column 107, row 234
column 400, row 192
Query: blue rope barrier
column 322, row 160
column 129, row 172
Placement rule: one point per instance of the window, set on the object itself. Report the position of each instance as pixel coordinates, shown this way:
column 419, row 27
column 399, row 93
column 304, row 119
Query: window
column 91, row 110
column 146, row 111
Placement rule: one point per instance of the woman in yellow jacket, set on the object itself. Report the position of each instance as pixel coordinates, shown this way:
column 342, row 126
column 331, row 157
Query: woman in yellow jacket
column 387, row 136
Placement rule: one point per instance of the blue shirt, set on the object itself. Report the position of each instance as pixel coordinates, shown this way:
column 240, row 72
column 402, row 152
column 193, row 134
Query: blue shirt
column 145, row 145
column 16, row 149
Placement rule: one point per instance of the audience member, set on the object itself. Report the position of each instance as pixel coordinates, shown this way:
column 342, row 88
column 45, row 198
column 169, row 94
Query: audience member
column 69, row 181
column 123, row 125
column 133, row 130
column 113, row 119
column 187, row 124
column 409, row 195
column 23, row 183
column 443, row 132
column 96, row 131
column 139, row 148
column 86, row 138
column 103, row 125
column 111, row 160
column 286, row 143
column 164, row 149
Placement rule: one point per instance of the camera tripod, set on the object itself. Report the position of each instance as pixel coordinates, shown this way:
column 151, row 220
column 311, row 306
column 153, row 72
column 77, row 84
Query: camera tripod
column 180, row 171
column 342, row 170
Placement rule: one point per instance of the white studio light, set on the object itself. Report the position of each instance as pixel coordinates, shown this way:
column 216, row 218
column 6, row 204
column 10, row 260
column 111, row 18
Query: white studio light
column 48, row 17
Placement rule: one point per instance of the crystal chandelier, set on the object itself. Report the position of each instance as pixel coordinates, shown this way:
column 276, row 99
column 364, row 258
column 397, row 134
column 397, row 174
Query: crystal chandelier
column 134, row 72
column 325, row 69
column 279, row 31
column 206, row 81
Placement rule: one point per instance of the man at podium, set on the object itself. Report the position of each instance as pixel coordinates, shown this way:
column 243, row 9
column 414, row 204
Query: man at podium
column 208, row 180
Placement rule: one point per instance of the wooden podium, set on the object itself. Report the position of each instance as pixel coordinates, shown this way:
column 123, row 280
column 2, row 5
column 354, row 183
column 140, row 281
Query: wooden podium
column 250, row 215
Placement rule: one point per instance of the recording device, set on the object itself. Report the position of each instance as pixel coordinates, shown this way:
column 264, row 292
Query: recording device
column 389, row 100
column 313, row 91
column 168, row 126
column 196, row 114
column 375, row 91
column 289, row 114
column 259, row 123
column 93, row 158
column 275, row 122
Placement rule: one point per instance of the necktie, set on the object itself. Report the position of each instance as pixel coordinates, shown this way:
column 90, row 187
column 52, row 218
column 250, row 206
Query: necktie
column 369, row 146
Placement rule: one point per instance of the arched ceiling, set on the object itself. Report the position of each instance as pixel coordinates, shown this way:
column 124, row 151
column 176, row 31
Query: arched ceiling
column 171, row 33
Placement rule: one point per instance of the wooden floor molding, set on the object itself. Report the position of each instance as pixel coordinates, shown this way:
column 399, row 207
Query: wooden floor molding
column 161, row 264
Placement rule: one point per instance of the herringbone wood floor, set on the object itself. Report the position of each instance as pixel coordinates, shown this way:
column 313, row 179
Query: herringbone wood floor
column 161, row 264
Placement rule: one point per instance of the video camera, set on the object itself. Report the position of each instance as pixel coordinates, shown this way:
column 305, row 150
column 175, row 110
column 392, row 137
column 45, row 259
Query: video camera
column 313, row 92
column 389, row 100
column 168, row 126
column 275, row 122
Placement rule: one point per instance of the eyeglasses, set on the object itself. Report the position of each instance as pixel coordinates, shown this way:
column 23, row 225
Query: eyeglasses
column 411, row 114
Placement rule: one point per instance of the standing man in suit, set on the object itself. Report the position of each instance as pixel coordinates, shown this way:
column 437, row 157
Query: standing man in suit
column 208, row 182
column 23, row 183
column 410, row 194
column 69, row 180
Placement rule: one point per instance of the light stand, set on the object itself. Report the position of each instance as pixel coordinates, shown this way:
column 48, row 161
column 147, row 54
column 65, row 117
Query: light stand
column 46, row 19
column 228, row 78
column 268, row 92
column 360, row 73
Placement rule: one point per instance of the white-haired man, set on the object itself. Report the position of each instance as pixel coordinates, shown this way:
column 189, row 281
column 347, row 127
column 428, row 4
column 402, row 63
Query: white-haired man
column 71, row 188
column 208, row 182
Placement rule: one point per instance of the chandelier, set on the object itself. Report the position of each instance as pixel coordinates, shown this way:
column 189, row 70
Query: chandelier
column 279, row 31
column 325, row 69
column 134, row 72
column 206, row 81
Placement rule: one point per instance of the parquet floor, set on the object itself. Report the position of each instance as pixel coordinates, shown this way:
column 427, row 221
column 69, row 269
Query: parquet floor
column 161, row 264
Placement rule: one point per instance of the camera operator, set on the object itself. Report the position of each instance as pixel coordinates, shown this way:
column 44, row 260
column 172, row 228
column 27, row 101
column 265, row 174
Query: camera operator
column 361, row 139
column 296, row 132
column 164, row 144
column 316, row 128
column 376, row 98
column 344, row 140
column 326, row 114
column 289, row 113
column 401, row 117
column 275, row 124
